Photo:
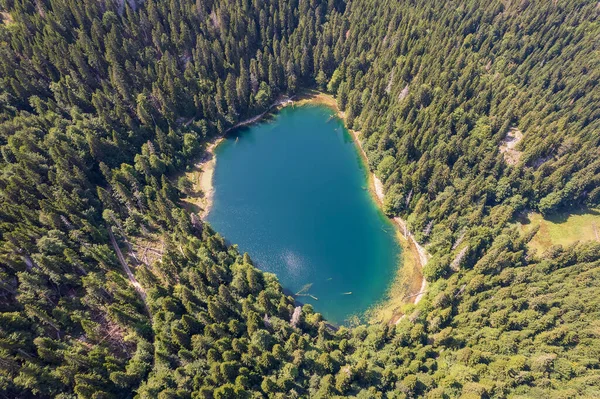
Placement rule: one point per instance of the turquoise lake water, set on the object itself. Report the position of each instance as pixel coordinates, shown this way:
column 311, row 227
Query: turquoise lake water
column 292, row 192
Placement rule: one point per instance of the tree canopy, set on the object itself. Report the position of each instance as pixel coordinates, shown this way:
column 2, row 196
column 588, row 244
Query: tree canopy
column 103, row 102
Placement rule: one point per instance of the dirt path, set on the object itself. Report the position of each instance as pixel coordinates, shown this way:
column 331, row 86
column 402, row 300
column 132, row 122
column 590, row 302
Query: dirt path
column 140, row 290
column 423, row 256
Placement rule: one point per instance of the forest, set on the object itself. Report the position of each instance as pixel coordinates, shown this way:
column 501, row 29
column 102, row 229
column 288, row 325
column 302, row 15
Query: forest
column 103, row 103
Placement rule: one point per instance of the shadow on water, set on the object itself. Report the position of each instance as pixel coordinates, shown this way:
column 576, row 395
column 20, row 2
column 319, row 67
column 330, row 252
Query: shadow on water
column 288, row 292
column 332, row 326
column 241, row 131
column 351, row 320
column 258, row 265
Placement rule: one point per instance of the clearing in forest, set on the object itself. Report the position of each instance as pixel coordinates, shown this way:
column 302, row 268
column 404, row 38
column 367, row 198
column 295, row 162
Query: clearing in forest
column 6, row 18
column 508, row 145
column 561, row 229
column 148, row 248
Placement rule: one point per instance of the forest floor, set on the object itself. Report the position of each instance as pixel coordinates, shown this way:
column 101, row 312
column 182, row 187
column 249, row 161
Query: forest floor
column 140, row 290
column 148, row 248
column 509, row 144
column 560, row 229
column 409, row 286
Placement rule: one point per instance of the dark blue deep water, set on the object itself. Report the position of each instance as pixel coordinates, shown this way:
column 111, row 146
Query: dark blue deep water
column 292, row 192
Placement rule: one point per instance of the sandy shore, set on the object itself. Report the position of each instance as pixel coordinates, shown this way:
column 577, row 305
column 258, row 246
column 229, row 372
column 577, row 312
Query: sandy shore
column 410, row 285
column 207, row 167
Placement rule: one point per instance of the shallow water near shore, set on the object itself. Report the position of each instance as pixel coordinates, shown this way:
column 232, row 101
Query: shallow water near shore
column 292, row 192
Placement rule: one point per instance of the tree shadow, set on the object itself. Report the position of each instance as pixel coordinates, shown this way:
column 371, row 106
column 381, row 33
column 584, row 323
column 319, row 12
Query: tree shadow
column 557, row 218
column 562, row 217
column 523, row 217
column 190, row 206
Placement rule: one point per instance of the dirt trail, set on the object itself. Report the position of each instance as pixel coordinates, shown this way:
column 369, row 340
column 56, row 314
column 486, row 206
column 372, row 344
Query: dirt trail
column 423, row 255
column 140, row 290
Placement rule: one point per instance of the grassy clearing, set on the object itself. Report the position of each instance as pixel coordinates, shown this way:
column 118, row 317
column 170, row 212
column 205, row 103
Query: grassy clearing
column 561, row 229
column 314, row 97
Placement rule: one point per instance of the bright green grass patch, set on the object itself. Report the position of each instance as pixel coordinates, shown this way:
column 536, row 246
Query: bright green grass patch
column 561, row 229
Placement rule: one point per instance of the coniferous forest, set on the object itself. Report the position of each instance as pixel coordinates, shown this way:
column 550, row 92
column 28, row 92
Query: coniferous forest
column 104, row 102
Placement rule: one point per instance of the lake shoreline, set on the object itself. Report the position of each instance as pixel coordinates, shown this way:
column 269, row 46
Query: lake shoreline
column 206, row 176
column 205, row 167
column 407, row 241
column 415, row 256
column 409, row 284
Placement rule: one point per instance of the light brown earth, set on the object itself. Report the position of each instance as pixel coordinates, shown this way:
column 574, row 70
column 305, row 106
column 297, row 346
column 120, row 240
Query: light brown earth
column 508, row 145
column 6, row 18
